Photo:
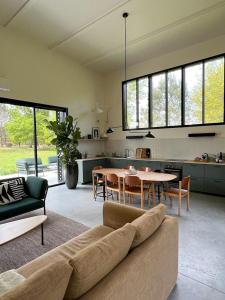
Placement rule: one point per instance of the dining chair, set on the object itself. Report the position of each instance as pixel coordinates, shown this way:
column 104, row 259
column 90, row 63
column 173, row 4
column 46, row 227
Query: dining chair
column 98, row 181
column 132, row 187
column 113, row 184
column 183, row 191
column 149, row 185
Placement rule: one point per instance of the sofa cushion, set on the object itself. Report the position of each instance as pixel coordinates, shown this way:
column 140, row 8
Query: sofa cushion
column 18, row 188
column 15, row 208
column 49, row 283
column 147, row 224
column 9, row 280
column 67, row 250
column 6, row 195
column 93, row 263
column 116, row 215
column 36, row 186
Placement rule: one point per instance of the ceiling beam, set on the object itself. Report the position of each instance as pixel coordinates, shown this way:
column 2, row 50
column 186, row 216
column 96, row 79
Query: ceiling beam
column 86, row 26
column 156, row 32
column 16, row 13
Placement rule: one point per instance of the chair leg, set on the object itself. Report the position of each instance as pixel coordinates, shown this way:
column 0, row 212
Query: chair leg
column 149, row 198
column 188, row 201
column 179, row 205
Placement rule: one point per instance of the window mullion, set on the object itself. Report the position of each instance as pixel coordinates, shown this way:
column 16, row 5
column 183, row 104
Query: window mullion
column 137, row 104
column 150, row 101
column 183, row 97
column 203, row 93
column 166, row 96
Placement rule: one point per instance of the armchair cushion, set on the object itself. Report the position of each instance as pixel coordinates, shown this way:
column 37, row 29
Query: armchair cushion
column 36, row 187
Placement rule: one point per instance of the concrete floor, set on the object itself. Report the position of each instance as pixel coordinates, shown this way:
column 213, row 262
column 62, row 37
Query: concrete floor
column 201, row 245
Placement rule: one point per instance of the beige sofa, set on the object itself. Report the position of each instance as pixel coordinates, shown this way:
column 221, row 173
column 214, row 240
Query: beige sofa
column 112, row 261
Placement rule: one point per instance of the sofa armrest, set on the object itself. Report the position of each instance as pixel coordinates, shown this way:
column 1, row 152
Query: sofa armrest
column 37, row 187
column 116, row 215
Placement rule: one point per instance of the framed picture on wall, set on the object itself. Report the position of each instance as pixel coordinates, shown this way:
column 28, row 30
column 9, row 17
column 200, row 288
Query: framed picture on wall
column 95, row 133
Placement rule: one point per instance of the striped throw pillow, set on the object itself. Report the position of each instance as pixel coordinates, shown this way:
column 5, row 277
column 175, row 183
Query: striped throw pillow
column 6, row 195
column 18, row 189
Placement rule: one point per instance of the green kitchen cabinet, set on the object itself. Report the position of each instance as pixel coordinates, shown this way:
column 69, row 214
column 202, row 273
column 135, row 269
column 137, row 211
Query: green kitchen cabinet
column 215, row 171
column 85, row 169
column 197, row 173
column 214, row 186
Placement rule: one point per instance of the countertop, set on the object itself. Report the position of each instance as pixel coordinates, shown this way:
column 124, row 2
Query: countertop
column 182, row 161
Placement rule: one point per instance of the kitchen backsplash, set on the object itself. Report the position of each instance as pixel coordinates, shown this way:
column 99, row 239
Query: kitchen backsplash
column 186, row 148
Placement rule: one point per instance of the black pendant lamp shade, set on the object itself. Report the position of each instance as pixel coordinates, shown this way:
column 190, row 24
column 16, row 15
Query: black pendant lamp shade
column 109, row 130
column 150, row 135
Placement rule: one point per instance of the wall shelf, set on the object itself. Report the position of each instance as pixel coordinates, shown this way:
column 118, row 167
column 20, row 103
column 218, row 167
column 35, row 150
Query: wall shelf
column 92, row 140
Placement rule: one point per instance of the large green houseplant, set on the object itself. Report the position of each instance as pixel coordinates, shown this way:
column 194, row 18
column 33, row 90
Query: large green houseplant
column 66, row 139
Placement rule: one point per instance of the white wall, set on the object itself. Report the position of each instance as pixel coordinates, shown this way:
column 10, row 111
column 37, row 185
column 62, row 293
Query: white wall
column 40, row 75
column 170, row 143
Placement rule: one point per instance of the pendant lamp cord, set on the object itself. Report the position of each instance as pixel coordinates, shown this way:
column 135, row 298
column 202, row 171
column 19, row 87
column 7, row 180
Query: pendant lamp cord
column 125, row 15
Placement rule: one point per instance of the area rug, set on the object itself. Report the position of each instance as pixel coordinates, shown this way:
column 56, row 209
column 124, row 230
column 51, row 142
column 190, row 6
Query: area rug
column 57, row 230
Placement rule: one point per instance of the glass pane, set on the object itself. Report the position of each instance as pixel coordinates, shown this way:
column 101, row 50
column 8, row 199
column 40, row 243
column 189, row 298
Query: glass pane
column 214, row 91
column 193, row 94
column 131, row 105
column 47, row 155
column 158, row 100
column 143, row 102
column 16, row 141
column 174, row 98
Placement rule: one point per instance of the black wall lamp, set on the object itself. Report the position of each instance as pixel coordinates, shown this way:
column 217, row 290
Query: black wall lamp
column 111, row 129
column 149, row 135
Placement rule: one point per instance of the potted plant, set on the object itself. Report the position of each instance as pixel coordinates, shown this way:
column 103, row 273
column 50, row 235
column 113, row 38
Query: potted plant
column 66, row 141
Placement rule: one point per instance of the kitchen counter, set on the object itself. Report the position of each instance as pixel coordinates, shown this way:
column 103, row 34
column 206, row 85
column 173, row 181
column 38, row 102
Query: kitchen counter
column 183, row 161
column 206, row 177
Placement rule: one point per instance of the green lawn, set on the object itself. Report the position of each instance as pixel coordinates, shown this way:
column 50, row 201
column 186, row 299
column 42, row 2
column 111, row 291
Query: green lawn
column 8, row 157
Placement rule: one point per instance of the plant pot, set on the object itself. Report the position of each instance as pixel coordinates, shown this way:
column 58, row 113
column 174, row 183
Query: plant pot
column 71, row 176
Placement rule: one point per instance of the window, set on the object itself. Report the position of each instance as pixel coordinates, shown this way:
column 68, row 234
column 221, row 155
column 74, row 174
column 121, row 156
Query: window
column 214, row 91
column 188, row 95
column 143, row 111
column 174, row 108
column 159, row 100
column 193, row 94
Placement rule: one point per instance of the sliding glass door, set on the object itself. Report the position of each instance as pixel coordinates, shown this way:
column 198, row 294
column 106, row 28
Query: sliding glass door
column 25, row 142
column 17, row 141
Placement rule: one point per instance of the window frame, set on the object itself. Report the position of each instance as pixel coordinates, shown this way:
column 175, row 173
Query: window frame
column 166, row 71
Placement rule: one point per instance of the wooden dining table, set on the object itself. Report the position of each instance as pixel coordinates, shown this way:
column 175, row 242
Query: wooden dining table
column 149, row 177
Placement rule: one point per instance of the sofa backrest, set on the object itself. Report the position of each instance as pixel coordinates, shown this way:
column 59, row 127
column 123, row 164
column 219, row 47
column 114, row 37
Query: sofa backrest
column 149, row 272
column 8, row 179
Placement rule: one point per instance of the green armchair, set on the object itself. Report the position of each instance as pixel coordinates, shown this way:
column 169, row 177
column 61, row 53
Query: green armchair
column 27, row 166
column 36, row 189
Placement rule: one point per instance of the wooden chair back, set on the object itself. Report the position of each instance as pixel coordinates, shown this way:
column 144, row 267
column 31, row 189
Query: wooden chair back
column 145, row 169
column 185, row 183
column 98, row 167
column 112, row 178
column 132, row 180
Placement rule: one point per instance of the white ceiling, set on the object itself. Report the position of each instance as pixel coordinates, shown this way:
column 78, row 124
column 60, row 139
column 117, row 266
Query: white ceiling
column 92, row 31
